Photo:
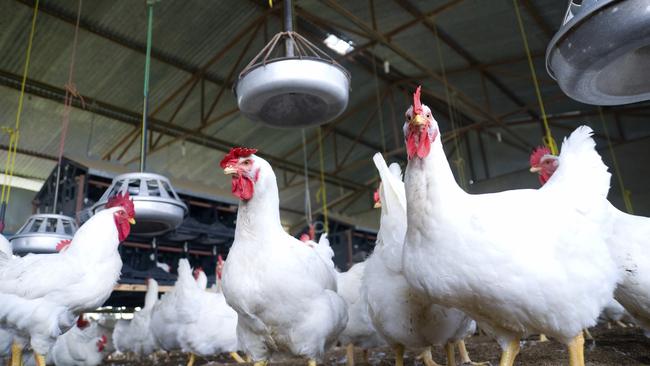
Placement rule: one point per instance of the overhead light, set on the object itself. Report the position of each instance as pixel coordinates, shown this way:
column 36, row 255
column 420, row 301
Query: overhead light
column 338, row 45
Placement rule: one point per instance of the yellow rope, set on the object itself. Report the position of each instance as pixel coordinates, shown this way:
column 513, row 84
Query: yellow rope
column 548, row 138
column 323, row 190
column 12, row 137
column 13, row 141
column 624, row 192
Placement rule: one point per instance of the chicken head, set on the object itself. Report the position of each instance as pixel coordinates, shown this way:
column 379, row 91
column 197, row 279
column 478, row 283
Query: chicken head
column 543, row 163
column 420, row 128
column 240, row 163
column 125, row 217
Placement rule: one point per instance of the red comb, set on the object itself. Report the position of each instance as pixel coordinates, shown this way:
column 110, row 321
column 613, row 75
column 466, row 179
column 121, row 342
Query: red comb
column 63, row 244
column 123, row 201
column 234, row 154
column 537, row 155
column 220, row 259
column 417, row 105
column 375, row 196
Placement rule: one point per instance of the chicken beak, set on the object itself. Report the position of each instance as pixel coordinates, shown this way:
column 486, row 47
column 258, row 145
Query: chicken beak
column 132, row 221
column 377, row 204
column 230, row 170
column 418, row 120
column 535, row 169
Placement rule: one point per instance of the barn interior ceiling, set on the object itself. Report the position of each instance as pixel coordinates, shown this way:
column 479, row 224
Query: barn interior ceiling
column 467, row 54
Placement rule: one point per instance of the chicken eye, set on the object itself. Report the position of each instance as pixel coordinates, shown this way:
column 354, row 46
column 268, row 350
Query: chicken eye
column 428, row 115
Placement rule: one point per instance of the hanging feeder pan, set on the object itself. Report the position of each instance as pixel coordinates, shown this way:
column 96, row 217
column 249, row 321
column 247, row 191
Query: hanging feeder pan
column 601, row 54
column 42, row 232
column 308, row 88
column 157, row 207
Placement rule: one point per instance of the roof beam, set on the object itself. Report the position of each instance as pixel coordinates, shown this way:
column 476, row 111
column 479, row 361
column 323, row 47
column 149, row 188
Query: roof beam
column 468, row 103
column 57, row 94
column 52, row 9
column 465, row 54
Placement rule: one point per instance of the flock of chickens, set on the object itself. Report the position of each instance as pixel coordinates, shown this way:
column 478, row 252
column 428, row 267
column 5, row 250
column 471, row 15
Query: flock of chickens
column 519, row 262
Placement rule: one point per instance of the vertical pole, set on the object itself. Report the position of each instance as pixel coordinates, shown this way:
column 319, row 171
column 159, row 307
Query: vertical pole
column 288, row 26
column 79, row 200
column 145, row 104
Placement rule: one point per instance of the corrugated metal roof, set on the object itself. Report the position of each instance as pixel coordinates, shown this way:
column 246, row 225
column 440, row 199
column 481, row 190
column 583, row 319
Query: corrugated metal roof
column 193, row 32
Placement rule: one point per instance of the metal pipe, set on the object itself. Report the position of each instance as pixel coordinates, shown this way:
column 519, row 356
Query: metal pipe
column 145, row 105
column 288, row 26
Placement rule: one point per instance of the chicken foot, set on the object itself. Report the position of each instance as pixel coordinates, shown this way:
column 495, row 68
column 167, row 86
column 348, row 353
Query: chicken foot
column 399, row 355
column 40, row 359
column 16, row 354
column 451, row 354
column 543, row 338
column 509, row 354
column 464, row 356
column 428, row 358
column 311, row 362
column 576, row 351
column 349, row 354
column 190, row 362
column 235, row 356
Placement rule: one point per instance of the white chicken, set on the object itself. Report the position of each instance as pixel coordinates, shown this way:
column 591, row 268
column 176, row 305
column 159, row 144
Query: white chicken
column 165, row 323
column 82, row 345
column 359, row 331
column 627, row 235
column 487, row 254
column 283, row 291
column 7, row 336
column 208, row 326
column 135, row 335
column 41, row 293
column 404, row 318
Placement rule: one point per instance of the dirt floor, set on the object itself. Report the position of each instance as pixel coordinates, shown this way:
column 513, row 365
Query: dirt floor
column 617, row 346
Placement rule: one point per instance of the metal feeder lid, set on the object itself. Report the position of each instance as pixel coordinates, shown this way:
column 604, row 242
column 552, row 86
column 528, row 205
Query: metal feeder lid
column 42, row 232
column 303, row 89
column 158, row 209
column 601, row 54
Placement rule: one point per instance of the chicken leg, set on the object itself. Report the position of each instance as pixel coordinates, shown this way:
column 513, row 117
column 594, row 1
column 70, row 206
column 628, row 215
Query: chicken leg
column 464, row 356
column 260, row 363
column 451, row 354
column 40, row 359
column 16, row 354
column 576, row 351
column 235, row 356
column 428, row 358
column 366, row 358
column 399, row 355
column 190, row 362
column 311, row 362
column 509, row 354
column 349, row 354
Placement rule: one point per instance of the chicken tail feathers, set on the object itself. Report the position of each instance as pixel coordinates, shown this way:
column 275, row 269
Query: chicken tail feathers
column 392, row 192
column 152, row 294
column 581, row 170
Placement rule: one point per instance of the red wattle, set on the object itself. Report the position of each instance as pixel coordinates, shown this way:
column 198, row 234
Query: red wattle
column 242, row 187
column 123, row 228
column 424, row 146
column 411, row 146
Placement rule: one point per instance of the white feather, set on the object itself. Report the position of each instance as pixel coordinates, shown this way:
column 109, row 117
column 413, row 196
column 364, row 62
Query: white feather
column 284, row 292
